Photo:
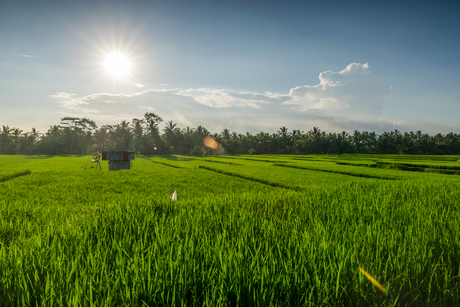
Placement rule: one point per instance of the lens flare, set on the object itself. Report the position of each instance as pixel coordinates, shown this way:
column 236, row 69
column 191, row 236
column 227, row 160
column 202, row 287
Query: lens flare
column 210, row 142
column 373, row 280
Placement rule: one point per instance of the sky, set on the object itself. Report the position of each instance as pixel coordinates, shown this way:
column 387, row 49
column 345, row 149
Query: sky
column 247, row 66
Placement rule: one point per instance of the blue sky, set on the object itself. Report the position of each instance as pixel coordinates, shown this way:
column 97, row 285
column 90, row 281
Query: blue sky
column 247, row 66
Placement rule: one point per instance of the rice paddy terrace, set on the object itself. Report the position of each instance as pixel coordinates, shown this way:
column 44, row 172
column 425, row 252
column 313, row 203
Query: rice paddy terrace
column 244, row 231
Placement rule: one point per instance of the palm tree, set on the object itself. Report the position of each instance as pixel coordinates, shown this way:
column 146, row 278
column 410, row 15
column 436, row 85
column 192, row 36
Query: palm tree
column 372, row 141
column 29, row 142
column 35, row 133
column 152, row 120
column 315, row 136
column 296, row 139
column 342, row 142
column 76, row 129
column 101, row 137
column 226, row 141
column 124, row 135
column 138, row 130
column 111, row 135
column 169, row 135
column 285, row 139
column 225, row 134
column 5, row 139
column 357, row 140
column 188, row 143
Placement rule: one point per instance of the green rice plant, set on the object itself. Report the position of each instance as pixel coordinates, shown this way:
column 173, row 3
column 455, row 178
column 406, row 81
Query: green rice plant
column 74, row 236
column 244, row 250
column 7, row 175
column 286, row 177
column 344, row 170
column 412, row 167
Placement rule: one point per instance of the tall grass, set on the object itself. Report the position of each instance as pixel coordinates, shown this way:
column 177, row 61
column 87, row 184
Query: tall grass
column 255, row 245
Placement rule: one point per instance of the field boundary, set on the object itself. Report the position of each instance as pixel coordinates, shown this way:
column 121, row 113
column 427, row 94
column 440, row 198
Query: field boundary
column 445, row 170
column 165, row 164
column 15, row 175
column 253, row 159
column 334, row 172
column 207, row 160
column 408, row 167
column 272, row 184
column 228, row 163
column 308, row 160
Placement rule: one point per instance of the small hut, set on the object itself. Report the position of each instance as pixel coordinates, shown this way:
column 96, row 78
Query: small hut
column 118, row 159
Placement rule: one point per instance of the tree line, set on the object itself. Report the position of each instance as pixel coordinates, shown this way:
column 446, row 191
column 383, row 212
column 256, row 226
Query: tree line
column 143, row 135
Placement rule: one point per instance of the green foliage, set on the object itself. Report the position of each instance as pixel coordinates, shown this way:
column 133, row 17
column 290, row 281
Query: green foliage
column 144, row 135
column 4, row 176
column 271, row 230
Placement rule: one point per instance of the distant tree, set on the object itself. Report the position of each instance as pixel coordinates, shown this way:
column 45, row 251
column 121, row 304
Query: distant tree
column 101, row 138
column 6, row 140
column 169, row 136
column 125, row 135
column 138, row 131
column 285, row 138
column 76, row 130
column 28, row 142
column 80, row 135
column 152, row 120
column 188, row 143
column 314, row 136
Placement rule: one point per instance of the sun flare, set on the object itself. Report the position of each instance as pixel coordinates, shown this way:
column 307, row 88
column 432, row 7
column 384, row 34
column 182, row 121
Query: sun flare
column 117, row 64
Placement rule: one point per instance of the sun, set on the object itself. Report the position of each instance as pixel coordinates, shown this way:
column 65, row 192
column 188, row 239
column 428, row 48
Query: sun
column 118, row 64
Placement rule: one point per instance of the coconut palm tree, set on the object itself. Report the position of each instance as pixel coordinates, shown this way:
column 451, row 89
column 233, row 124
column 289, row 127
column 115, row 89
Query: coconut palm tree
column 152, row 120
column 169, row 135
column 188, row 142
column 285, row 139
column 138, row 130
column 5, row 139
column 315, row 136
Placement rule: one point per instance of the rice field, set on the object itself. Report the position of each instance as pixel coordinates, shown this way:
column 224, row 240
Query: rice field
column 274, row 230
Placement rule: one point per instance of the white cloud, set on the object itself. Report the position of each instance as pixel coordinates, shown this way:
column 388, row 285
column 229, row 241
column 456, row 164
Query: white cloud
column 146, row 108
column 221, row 98
column 26, row 55
column 346, row 100
column 116, row 106
column 253, row 105
column 354, row 92
column 400, row 123
column 139, row 85
column 181, row 119
column 164, row 84
column 62, row 95
column 214, row 98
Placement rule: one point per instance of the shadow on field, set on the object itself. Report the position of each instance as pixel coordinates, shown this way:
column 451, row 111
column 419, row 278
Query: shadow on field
column 175, row 158
column 7, row 177
column 39, row 157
